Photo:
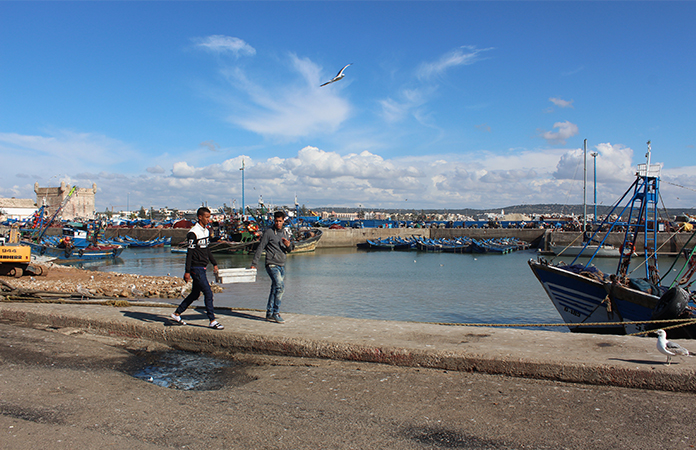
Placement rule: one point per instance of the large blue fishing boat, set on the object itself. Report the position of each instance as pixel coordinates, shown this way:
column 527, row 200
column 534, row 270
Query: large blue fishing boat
column 582, row 294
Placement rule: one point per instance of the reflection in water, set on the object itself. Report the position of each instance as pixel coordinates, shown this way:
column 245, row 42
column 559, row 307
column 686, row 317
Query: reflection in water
column 406, row 286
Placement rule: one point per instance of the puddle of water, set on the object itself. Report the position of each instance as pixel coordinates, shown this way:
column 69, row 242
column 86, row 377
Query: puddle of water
column 186, row 371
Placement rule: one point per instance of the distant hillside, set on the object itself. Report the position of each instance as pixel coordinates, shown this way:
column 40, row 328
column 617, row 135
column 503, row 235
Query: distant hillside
column 543, row 209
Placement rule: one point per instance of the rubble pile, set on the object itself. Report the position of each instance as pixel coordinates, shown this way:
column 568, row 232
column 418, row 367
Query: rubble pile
column 89, row 283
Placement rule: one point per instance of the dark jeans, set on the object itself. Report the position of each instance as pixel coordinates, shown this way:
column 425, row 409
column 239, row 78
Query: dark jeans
column 200, row 284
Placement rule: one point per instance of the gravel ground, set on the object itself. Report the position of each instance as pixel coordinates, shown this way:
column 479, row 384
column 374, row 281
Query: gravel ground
column 68, row 389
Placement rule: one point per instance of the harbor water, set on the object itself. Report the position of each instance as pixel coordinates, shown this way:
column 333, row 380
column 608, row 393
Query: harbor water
column 383, row 285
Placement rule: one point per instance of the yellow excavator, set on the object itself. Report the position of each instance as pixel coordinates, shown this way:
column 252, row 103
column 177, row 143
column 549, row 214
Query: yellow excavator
column 15, row 257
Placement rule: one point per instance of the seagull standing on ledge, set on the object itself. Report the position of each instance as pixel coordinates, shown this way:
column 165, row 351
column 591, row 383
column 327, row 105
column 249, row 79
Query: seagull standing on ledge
column 83, row 292
column 337, row 77
column 669, row 348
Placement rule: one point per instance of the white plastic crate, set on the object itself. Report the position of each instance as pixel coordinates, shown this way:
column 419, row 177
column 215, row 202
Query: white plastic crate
column 227, row 276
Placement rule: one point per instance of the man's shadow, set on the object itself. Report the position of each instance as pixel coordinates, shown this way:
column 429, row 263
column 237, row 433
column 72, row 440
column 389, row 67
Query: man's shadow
column 147, row 317
column 164, row 319
column 232, row 313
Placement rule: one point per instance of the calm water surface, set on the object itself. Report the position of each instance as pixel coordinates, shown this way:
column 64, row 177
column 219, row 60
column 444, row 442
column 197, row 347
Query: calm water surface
column 406, row 286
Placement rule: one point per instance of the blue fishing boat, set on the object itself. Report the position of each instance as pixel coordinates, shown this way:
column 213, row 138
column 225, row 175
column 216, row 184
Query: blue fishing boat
column 72, row 253
column 390, row 243
column 458, row 245
column 582, row 294
column 128, row 241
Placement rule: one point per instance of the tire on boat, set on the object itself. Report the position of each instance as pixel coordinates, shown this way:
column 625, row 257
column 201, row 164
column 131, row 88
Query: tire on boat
column 671, row 305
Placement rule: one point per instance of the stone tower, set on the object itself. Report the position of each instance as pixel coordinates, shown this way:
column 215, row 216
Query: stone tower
column 80, row 206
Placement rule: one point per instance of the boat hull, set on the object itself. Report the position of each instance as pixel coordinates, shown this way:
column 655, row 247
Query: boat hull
column 232, row 247
column 575, row 250
column 75, row 254
column 308, row 242
column 578, row 299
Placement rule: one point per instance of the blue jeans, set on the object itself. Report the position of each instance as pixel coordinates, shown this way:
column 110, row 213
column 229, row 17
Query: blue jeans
column 277, row 274
column 200, row 284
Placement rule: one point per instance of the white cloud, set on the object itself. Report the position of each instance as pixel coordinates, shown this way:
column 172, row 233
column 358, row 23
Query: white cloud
column 462, row 56
column 561, row 103
column 224, row 44
column 210, row 145
column 288, row 110
column 155, row 169
column 614, row 164
column 565, row 131
column 410, row 99
column 324, row 178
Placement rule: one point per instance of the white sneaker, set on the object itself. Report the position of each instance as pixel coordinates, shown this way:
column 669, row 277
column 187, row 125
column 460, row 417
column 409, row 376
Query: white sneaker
column 178, row 319
column 216, row 325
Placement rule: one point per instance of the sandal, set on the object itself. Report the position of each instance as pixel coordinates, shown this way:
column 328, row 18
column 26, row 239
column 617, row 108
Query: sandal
column 216, row 325
column 178, row 319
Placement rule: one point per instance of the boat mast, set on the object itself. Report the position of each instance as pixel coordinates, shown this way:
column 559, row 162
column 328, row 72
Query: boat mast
column 584, row 189
column 642, row 218
column 594, row 157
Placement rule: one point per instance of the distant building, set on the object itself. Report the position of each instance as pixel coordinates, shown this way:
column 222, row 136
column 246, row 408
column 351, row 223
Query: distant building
column 515, row 217
column 80, row 206
column 16, row 208
column 335, row 215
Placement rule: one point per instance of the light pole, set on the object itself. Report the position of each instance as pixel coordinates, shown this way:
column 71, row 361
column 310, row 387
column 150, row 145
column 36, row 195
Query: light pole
column 594, row 158
column 242, row 169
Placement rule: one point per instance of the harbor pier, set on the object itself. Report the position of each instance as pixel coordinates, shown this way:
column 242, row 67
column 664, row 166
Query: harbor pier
column 624, row 361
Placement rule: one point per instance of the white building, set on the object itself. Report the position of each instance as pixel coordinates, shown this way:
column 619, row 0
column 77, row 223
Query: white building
column 16, row 208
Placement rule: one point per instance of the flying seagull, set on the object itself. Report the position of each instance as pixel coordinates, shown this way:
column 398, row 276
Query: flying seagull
column 670, row 348
column 337, row 77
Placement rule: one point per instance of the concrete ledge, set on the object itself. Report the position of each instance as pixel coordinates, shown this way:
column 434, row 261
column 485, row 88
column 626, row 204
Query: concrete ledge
column 592, row 359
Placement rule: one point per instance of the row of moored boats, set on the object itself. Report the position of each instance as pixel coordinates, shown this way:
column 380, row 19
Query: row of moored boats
column 454, row 245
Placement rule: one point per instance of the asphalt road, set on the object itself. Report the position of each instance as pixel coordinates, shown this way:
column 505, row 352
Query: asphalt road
column 64, row 388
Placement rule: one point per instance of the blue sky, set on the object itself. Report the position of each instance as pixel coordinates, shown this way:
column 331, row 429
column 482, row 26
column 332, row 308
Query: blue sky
column 447, row 104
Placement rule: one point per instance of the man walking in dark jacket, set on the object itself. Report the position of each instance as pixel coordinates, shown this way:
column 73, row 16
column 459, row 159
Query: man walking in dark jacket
column 276, row 243
column 197, row 257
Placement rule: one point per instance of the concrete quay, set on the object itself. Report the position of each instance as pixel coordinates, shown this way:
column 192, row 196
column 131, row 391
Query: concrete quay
column 667, row 243
column 623, row 361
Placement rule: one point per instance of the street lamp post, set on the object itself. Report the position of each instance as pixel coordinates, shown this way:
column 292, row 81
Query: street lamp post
column 242, row 169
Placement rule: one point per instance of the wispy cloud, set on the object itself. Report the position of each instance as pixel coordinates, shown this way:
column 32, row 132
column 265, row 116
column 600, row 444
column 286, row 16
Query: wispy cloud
column 573, row 72
column 289, row 110
column 62, row 150
column 410, row 99
column 155, row 169
column 462, row 56
column 220, row 44
column 210, row 145
column 561, row 103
